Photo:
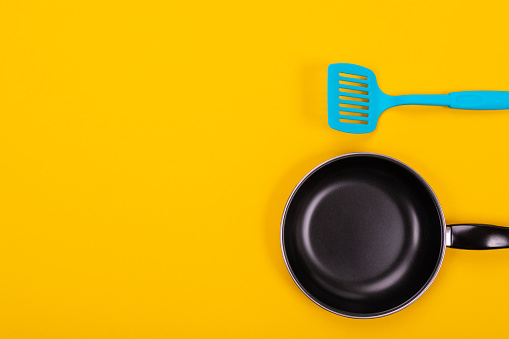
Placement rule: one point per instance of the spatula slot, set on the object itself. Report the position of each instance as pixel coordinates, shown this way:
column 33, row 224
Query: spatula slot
column 352, row 91
column 363, row 115
column 351, row 83
column 353, row 106
column 353, row 76
column 349, row 121
column 353, row 98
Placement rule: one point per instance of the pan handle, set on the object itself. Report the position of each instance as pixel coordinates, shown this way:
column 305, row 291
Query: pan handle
column 477, row 236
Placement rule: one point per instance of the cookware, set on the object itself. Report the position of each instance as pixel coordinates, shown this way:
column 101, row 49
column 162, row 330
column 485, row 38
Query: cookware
column 355, row 101
column 363, row 235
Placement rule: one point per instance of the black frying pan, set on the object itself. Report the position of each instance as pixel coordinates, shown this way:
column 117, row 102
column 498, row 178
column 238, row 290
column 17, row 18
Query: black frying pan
column 363, row 235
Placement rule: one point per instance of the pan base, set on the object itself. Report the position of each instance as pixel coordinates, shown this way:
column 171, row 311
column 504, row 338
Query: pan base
column 358, row 249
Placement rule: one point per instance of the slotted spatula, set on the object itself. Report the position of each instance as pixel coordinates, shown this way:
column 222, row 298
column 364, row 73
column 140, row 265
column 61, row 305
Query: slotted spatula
column 355, row 102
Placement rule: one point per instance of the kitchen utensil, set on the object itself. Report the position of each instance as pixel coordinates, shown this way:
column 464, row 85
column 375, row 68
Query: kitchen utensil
column 355, row 102
column 363, row 235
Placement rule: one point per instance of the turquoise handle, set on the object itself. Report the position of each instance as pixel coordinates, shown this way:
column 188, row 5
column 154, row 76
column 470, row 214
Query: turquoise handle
column 420, row 99
column 463, row 100
column 480, row 100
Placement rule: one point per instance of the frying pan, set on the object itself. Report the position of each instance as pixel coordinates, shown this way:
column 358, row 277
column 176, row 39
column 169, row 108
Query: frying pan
column 363, row 235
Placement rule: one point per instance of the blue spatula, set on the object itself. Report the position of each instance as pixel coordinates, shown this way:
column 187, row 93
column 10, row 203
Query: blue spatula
column 355, row 102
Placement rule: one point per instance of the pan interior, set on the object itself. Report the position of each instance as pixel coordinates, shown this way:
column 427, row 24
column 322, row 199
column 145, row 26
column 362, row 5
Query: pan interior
column 363, row 235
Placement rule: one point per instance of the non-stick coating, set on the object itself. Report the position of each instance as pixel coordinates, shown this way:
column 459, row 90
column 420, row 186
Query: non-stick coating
column 363, row 235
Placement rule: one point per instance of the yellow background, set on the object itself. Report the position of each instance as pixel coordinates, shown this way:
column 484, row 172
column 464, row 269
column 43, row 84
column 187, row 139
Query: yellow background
column 147, row 150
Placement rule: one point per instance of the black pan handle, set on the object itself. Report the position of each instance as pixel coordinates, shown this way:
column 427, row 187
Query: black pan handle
column 477, row 236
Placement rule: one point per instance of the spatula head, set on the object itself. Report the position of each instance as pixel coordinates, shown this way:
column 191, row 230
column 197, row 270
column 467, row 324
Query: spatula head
column 353, row 98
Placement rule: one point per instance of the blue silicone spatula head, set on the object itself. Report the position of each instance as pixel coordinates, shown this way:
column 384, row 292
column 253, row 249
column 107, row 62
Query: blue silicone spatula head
column 353, row 98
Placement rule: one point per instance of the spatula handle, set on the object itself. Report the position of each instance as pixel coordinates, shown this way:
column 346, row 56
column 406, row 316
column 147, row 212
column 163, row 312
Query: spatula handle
column 480, row 100
column 421, row 99
column 463, row 100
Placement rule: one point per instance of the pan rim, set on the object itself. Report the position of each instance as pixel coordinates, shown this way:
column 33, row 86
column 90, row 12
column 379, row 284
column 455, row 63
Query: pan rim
column 421, row 290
